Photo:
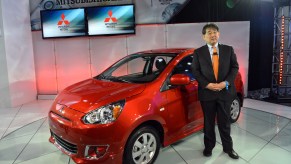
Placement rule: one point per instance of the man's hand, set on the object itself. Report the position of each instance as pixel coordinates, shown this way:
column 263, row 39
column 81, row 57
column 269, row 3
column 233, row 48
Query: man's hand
column 211, row 86
column 221, row 85
column 216, row 86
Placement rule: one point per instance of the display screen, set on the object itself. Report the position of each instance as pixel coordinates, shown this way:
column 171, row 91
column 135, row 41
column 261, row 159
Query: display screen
column 63, row 23
column 111, row 20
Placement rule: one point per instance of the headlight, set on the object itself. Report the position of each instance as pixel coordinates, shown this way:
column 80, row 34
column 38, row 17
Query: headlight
column 105, row 114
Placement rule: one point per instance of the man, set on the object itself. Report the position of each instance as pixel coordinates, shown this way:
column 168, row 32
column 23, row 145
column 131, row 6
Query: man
column 215, row 67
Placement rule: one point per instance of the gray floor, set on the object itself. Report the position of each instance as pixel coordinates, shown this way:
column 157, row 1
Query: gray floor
column 261, row 135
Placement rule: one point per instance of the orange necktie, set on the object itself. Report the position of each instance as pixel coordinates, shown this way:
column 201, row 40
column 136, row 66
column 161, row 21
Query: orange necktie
column 215, row 62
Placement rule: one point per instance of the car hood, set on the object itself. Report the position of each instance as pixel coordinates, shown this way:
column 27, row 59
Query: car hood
column 87, row 95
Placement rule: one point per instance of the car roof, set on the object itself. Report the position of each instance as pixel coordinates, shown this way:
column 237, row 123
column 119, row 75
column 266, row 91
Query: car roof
column 168, row 50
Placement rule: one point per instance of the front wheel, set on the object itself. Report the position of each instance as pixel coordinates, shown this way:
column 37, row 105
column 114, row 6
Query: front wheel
column 235, row 109
column 142, row 147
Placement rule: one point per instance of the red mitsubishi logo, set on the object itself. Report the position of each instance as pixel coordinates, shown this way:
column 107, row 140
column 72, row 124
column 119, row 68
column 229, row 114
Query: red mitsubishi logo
column 63, row 20
column 113, row 19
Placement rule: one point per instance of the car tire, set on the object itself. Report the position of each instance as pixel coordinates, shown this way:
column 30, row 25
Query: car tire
column 143, row 146
column 235, row 110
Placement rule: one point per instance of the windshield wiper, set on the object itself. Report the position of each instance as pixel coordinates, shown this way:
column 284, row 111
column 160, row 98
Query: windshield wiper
column 122, row 80
column 117, row 79
column 112, row 78
column 101, row 76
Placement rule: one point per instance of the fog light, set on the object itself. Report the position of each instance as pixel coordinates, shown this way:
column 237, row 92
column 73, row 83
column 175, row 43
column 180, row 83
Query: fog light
column 95, row 152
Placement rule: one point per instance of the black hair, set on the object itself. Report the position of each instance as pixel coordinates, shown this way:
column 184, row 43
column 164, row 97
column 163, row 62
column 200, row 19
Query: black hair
column 209, row 25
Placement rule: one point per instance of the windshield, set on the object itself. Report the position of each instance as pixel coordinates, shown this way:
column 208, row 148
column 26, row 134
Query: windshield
column 137, row 68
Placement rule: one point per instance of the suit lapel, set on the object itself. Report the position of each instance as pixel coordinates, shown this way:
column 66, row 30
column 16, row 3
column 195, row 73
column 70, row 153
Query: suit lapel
column 221, row 59
column 207, row 55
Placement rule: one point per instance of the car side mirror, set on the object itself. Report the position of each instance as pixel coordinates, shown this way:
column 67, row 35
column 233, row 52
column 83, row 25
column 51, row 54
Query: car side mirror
column 179, row 79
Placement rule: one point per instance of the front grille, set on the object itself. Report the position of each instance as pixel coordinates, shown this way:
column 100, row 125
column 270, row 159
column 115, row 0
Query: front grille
column 66, row 145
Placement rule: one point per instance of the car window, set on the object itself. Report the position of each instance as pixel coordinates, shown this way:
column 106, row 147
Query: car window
column 160, row 63
column 134, row 66
column 137, row 68
column 184, row 67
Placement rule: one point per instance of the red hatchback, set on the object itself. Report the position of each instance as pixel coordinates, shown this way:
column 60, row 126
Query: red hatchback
column 124, row 115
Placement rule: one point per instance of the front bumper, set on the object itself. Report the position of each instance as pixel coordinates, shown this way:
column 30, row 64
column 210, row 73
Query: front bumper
column 72, row 137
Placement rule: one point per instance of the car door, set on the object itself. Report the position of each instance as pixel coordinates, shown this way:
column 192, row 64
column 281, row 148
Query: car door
column 184, row 109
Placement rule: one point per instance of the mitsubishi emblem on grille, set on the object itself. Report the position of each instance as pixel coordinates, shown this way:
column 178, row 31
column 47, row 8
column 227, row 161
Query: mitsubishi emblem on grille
column 60, row 108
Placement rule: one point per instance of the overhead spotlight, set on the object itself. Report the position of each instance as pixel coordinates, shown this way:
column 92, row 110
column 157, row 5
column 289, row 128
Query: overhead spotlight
column 231, row 3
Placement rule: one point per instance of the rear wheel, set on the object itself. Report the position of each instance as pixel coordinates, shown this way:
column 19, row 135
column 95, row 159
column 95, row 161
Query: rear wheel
column 142, row 147
column 235, row 109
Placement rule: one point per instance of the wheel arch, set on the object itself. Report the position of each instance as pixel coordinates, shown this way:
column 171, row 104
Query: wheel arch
column 154, row 124
column 241, row 98
column 150, row 123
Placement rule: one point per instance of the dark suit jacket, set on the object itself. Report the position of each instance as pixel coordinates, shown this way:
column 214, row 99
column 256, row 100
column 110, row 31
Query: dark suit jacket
column 203, row 72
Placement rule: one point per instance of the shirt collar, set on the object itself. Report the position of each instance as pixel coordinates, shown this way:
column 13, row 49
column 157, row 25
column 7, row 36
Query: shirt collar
column 210, row 46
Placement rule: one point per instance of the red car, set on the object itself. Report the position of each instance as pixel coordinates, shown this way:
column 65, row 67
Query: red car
column 144, row 101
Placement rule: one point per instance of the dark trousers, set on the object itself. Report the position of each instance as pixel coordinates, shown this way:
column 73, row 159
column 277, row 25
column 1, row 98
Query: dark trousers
column 220, row 110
